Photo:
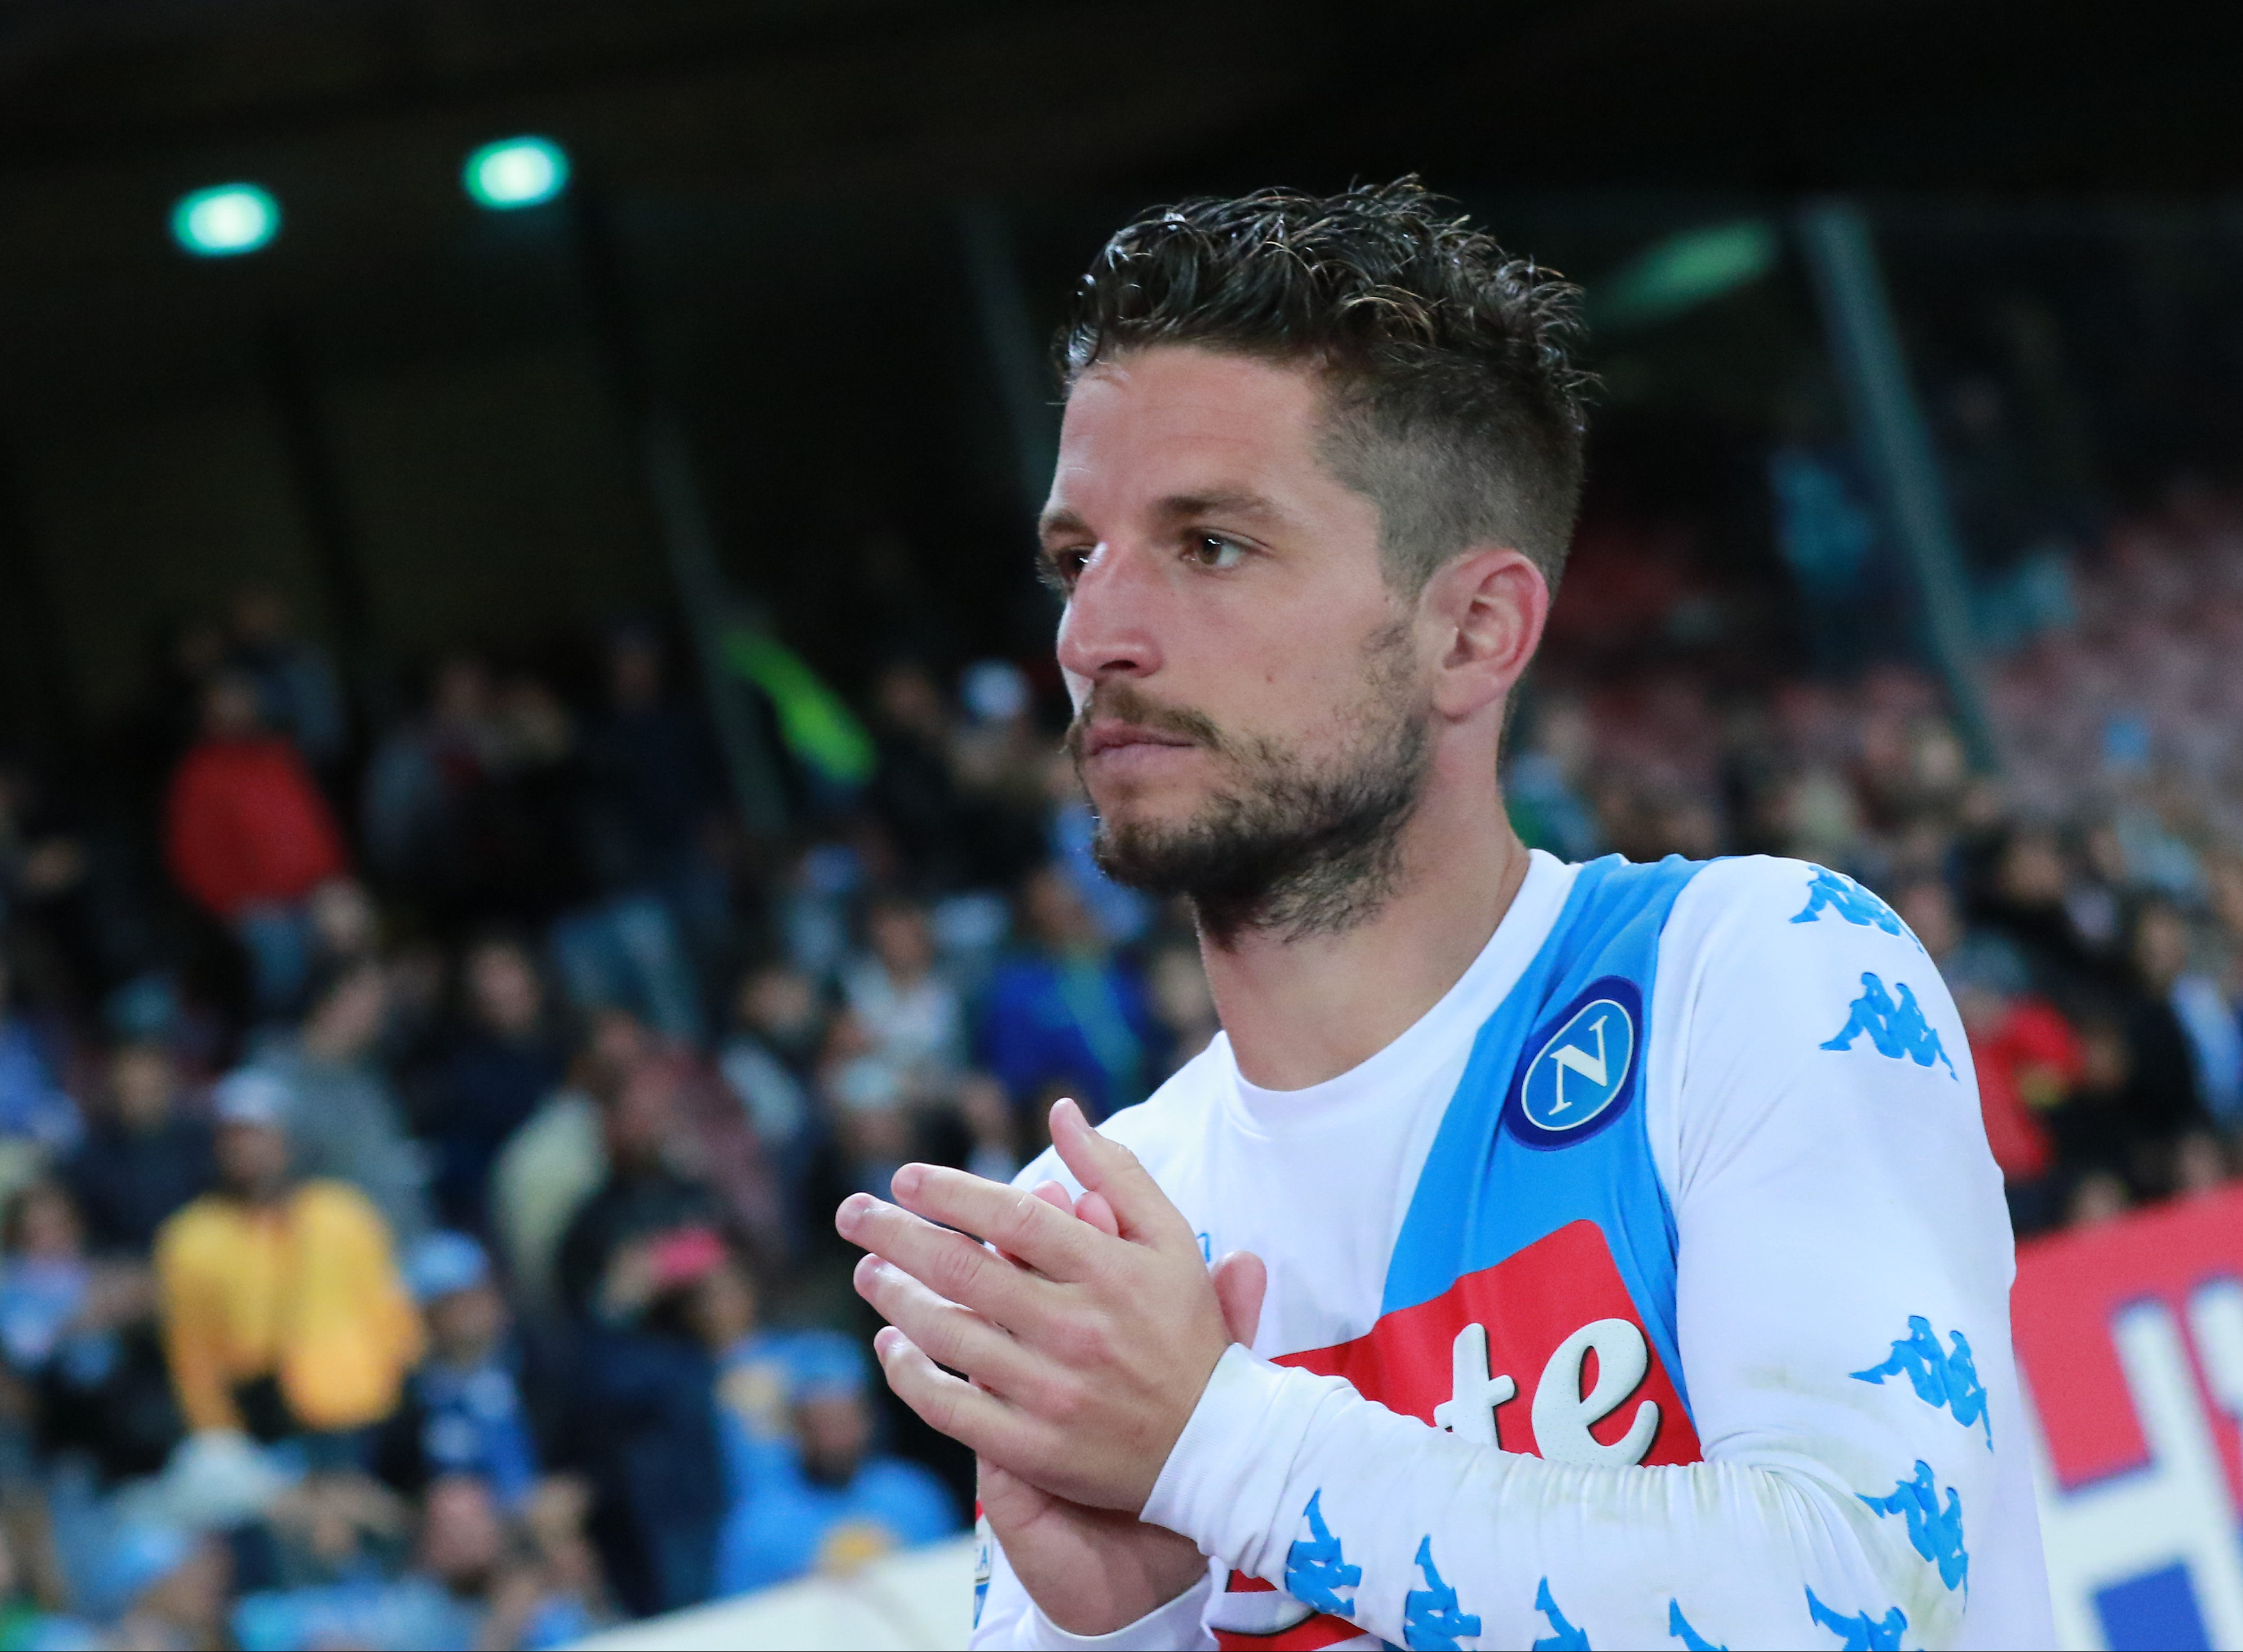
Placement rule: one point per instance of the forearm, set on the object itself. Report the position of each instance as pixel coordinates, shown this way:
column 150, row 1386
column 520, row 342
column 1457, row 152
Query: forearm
column 1424, row 1538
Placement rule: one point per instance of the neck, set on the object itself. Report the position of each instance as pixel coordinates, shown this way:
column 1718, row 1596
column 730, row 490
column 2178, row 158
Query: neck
column 1300, row 1010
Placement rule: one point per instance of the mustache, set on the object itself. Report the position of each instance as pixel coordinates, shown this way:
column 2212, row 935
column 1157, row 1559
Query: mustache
column 1124, row 702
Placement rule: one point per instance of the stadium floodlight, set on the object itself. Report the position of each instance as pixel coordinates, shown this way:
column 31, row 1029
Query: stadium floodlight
column 516, row 171
column 1685, row 271
column 226, row 221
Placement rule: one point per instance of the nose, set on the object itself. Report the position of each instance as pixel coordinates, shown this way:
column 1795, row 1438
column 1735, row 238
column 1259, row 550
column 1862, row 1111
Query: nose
column 1109, row 628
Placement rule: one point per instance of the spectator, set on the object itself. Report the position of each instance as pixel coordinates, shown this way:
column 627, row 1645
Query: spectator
column 914, row 792
column 654, row 801
column 909, row 1012
column 161, row 1588
column 463, row 1411
column 501, row 1063
column 996, row 760
column 724, row 1311
column 423, row 788
column 44, row 870
column 145, row 1156
column 2162, row 1100
column 656, row 1456
column 1066, row 1017
column 767, row 1065
column 298, row 692
column 283, row 1312
column 2215, row 1038
column 872, row 1114
column 344, row 1123
column 80, row 1332
column 821, row 1499
column 37, row 1118
column 561, row 1596
column 462, row 1549
column 646, row 1193
column 2024, row 900
column 439, row 1603
column 248, row 836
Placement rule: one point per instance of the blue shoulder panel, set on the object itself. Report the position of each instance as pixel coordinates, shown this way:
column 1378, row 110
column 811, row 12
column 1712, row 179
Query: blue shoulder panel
column 1546, row 1126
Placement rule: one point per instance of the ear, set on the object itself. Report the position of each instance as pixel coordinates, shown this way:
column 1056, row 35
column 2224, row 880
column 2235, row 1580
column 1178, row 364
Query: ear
column 1487, row 608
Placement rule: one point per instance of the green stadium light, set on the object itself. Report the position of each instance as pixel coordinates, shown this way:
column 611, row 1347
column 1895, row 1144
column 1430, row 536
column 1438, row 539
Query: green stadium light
column 1685, row 271
column 226, row 221
column 516, row 171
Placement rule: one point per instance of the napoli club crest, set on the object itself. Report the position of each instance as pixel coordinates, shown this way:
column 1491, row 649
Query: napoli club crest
column 1582, row 1068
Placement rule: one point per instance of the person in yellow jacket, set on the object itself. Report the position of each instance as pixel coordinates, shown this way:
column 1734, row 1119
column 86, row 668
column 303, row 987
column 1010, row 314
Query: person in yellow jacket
column 283, row 1313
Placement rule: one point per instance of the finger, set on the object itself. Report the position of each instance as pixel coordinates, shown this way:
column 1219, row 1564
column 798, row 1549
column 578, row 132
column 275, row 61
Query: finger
column 1240, row 1279
column 955, row 1337
column 1146, row 1214
column 1027, row 1227
column 1097, row 1209
column 983, row 1423
column 1052, row 1193
column 950, row 1264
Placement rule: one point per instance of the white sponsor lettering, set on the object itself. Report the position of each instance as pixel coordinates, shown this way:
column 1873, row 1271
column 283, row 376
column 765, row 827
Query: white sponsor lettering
column 1469, row 1411
column 1563, row 1414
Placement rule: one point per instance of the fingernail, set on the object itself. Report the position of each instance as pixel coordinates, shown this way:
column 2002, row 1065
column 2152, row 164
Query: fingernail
column 884, row 1340
column 908, row 1180
column 852, row 1212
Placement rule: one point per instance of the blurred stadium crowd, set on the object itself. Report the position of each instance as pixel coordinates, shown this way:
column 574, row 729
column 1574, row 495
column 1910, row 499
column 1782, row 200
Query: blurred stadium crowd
column 419, row 1153
column 419, row 1150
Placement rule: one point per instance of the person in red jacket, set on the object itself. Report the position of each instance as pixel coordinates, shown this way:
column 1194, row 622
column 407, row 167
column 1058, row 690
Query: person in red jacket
column 248, row 836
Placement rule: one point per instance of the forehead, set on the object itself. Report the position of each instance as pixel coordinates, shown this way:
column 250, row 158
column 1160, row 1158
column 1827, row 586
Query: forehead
column 1176, row 417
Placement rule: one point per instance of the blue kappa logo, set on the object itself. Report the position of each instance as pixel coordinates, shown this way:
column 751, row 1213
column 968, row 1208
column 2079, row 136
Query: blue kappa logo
column 1577, row 1081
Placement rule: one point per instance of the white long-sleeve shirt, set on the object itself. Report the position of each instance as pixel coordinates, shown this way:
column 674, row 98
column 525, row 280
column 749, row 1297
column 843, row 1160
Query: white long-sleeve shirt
column 1651, row 1290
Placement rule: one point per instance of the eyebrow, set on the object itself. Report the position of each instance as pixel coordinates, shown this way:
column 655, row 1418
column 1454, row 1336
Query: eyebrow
column 1176, row 507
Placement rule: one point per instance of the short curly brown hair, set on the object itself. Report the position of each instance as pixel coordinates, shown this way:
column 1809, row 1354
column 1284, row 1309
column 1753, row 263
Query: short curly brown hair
column 1457, row 407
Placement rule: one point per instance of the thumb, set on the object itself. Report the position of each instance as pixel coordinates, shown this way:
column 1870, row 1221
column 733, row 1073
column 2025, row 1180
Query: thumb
column 1240, row 1279
column 1142, row 1212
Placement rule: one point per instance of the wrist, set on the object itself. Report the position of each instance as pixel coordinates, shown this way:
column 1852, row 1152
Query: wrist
column 1172, row 1621
column 1225, row 1477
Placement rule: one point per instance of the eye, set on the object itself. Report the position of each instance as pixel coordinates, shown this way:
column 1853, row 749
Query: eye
column 1215, row 551
column 1062, row 568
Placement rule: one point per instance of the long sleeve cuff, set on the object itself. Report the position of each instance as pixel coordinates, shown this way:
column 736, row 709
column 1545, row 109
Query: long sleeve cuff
column 1173, row 1627
column 1226, row 1475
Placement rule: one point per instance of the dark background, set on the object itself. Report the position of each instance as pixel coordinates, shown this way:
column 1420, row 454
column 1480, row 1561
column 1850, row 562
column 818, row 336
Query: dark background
column 794, row 191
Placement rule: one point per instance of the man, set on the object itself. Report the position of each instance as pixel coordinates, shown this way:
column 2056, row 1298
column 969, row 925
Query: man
column 463, row 1411
column 283, row 1312
column 247, row 835
column 144, row 1157
column 819, row 1497
column 1636, row 1272
column 344, row 1121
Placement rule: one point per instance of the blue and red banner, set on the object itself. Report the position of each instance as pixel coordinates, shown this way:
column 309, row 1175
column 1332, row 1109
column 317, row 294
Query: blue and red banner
column 2130, row 1341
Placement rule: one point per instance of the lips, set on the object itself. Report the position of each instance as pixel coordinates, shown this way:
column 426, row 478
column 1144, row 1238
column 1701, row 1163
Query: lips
column 1102, row 738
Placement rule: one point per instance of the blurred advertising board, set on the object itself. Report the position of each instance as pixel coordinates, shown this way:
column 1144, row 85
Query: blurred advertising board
column 2130, row 1340
column 921, row 1598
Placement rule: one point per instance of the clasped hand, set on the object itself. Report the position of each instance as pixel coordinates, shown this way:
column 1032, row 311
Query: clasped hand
column 1083, row 1339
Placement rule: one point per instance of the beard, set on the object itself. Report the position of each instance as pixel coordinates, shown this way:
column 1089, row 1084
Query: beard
column 1292, row 848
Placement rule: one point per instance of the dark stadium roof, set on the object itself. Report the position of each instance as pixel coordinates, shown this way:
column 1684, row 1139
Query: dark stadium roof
column 998, row 95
